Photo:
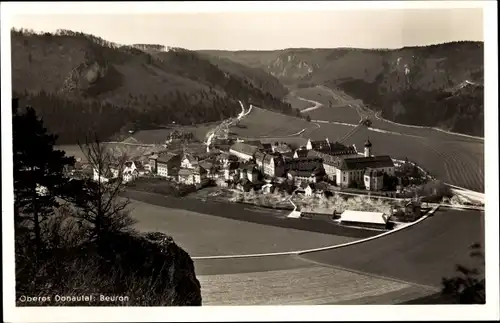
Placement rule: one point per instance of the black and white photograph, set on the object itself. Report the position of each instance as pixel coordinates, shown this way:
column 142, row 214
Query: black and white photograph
column 173, row 161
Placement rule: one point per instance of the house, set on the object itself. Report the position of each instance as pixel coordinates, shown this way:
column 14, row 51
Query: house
column 319, row 145
column 377, row 220
column 373, row 179
column 331, row 163
column 194, row 176
column 308, row 190
column 339, row 149
column 301, row 176
column 243, row 151
column 272, row 165
column 189, row 161
column 210, row 167
column 268, row 188
column 311, row 189
column 106, row 174
column 304, row 164
column 267, row 147
column 250, row 172
column 353, row 169
column 168, row 164
column 224, row 159
column 300, row 153
column 281, row 147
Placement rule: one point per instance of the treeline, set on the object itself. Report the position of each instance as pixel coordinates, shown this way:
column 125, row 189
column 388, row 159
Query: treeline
column 156, row 47
column 71, row 118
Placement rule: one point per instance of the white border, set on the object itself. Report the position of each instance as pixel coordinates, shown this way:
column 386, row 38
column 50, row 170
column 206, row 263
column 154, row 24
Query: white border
column 251, row 313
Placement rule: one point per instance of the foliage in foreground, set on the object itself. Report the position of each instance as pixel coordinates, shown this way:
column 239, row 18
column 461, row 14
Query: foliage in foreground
column 73, row 237
column 468, row 287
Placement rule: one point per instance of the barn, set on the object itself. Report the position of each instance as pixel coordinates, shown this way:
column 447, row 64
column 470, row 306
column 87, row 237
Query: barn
column 375, row 220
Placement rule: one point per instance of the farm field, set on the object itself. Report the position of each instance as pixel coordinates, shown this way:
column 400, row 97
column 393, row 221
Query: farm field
column 207, row 235
column 337, row 113
column 456, row 162
column 312, row 285
column 263, row 123
column 421, row 254
column 158, row 136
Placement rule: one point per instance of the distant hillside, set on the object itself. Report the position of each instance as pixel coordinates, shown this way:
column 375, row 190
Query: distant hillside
column 406, row 85
column 77, row 81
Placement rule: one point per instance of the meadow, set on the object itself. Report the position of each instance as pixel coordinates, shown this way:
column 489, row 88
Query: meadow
column 208, row 235
column 262, row 123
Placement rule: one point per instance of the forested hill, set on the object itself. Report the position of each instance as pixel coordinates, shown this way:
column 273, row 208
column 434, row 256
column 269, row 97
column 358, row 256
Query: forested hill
column 77, row 81
column 413, row 85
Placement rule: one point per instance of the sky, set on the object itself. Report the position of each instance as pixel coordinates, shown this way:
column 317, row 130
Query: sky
column 272, row 30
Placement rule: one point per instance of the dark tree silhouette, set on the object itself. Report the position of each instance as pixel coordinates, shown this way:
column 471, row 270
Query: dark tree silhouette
column 38, row 172
column 468, row 287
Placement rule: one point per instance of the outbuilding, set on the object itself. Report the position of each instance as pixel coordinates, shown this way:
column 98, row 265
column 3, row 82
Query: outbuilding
column 375, row 220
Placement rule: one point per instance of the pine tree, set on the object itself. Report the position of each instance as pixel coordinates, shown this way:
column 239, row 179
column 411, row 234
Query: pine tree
column 38, row 172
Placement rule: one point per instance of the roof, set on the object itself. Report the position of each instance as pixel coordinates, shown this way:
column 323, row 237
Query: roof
column 206, row 164
column 282, row 147
column 317, row 210
column 267, row 146
column 192, row 159
column 302, row 173
column 319, row 144
column 256, row 143
column 306, row 163
column 364, row 217
column 185, row 172
column 166, row 156
column 244, row 148
column 301, row 153
column 199, row 170
column 327, row 158
column 319, row 186
column 359, row 163
column 368, row 143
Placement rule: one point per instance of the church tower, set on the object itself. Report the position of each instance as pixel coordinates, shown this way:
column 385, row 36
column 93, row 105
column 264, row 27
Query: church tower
column 368, row 148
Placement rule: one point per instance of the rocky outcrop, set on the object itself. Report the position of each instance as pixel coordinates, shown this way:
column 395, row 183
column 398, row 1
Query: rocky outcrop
column 82, row 77
column 156, row 256
column 140, row 269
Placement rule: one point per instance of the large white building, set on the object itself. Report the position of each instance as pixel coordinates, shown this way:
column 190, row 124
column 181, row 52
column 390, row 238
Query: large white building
column 352, row 170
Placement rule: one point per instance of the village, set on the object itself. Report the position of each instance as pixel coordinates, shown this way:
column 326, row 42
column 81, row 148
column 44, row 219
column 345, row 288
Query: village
column 311, row 174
